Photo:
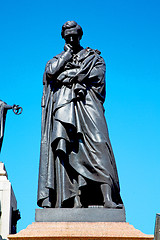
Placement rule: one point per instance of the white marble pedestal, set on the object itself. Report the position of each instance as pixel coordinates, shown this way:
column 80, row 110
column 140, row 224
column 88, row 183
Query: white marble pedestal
column 8, row 203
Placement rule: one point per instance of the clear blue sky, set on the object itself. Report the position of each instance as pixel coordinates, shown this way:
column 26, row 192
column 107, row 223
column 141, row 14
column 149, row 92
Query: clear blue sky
column 128, row 35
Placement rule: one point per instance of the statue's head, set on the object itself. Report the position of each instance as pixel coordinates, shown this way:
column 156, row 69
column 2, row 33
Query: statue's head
column 72, row 33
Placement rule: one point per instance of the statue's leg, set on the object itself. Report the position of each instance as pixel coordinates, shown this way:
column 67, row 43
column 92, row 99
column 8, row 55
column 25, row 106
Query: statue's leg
column 107, row 196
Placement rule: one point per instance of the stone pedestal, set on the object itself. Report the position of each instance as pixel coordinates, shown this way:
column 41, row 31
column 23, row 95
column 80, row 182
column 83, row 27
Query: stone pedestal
column 80, row 231
column 8, row 203
column 94, row 214
column 79, row 224
column 157, row 227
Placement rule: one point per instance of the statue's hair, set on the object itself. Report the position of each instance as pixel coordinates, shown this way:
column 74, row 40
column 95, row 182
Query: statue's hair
column 72, row 24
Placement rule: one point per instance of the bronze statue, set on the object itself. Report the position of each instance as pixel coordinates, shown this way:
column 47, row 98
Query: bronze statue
column 77, row 165
column 4, row 107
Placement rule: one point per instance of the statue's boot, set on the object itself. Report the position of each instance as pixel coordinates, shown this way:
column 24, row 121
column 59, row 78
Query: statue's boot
column 108, row 202
column 77, row 202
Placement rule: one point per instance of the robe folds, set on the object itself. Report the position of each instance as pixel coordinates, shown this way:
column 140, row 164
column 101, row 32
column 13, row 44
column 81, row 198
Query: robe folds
column 75, row 148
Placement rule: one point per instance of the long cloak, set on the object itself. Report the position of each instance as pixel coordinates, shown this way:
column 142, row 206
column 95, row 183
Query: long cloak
column 75, row 148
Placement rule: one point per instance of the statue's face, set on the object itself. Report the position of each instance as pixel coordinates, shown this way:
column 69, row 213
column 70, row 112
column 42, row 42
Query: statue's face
column 73, row 40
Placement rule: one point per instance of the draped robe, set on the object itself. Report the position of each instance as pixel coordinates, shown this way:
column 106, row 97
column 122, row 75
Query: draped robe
column 75, row 148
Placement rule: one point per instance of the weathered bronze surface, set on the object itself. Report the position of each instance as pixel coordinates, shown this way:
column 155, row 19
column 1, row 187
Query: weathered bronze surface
column 77, row 165
column 4, row 107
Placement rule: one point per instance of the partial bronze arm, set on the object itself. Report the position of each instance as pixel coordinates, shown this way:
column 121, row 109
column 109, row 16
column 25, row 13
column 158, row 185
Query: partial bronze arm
column 54, row 66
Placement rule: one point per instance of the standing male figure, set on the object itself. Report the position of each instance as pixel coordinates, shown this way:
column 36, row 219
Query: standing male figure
column 77, row 165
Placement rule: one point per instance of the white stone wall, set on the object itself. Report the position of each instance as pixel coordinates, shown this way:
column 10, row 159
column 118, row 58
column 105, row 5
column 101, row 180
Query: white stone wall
column 8, row 201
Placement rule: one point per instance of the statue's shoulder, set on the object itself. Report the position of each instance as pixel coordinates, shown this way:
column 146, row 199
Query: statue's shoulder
column 2, row 103
column 97, row 53
column 94, row 51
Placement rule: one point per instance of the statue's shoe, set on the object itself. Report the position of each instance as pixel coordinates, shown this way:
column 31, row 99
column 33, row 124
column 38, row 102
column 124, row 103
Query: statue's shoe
column 111, row 204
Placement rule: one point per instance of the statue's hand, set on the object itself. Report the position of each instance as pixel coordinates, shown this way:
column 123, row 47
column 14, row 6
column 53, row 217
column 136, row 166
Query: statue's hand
column 68, row 48
column 15, row 106
column 17, row 109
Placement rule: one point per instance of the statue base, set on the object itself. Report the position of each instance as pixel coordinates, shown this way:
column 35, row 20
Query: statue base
column 92, row 214
column 80, row 231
